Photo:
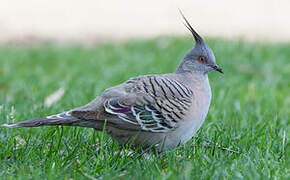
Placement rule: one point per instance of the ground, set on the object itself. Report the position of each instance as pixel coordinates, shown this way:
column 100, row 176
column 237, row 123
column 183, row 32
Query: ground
column 249, row 112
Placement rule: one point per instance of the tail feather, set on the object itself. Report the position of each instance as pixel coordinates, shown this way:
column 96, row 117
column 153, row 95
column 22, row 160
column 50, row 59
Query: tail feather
column 59, row 119
column 74, row 118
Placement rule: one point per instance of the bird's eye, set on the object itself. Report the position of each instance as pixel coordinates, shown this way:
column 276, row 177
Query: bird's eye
column 202, row 59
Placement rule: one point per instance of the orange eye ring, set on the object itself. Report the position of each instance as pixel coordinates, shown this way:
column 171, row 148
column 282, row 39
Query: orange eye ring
column 202, row 59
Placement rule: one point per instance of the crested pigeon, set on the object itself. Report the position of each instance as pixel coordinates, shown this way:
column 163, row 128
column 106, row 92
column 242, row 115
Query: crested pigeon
column 163, row 110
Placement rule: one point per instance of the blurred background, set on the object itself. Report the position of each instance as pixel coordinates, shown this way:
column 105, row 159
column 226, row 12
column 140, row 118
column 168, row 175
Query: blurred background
column 98, row 20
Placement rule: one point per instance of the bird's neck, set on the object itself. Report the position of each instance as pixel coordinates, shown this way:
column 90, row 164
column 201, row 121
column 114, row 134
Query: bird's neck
column 180, row 68
column 185, row 67
column 192, row 78
column 195, row 74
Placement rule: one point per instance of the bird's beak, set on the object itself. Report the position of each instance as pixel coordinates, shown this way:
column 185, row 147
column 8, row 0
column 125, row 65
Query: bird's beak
column 217, row 68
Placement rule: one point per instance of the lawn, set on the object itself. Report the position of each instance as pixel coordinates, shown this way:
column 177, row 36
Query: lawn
column 249, row 113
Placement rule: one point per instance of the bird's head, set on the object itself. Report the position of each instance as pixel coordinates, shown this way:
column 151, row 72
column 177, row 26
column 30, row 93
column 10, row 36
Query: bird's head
column 200, row 58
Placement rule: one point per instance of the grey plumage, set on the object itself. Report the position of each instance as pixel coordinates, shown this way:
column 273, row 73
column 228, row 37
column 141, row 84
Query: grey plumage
column 152, row 109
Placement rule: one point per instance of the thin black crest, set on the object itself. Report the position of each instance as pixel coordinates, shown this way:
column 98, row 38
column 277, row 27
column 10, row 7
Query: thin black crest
column 197, row 38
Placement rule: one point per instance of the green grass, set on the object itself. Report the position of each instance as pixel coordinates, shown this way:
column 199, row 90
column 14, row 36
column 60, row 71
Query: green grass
column 249, row 112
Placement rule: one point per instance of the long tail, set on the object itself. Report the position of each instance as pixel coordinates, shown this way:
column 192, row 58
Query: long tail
column 64, row 118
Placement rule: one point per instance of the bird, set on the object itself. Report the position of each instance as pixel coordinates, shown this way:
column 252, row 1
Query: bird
column 160, row 110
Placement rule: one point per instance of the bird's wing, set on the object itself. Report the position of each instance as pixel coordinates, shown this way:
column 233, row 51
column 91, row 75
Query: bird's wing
column 152, row 103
